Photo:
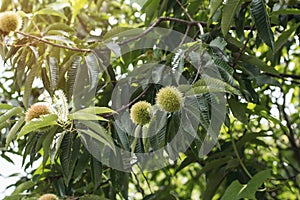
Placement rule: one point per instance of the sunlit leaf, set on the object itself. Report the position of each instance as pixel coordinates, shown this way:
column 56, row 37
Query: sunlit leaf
column 228, row 12
column 238, row 191
column 4, row 106
column 85, row 116
column 287, row 11
column 96, row 110
column 214, row 5
column 49, row 11
column 283, row 38
column 77, row 5
column 23, row 187
column 13, row 131
column 36, row 124
column 12, row 112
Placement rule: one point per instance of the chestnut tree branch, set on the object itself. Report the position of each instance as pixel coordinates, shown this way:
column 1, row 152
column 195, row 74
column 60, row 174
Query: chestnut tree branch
column 54, row 44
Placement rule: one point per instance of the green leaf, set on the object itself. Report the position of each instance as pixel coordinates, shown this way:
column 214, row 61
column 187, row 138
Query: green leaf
column 28, row 84
column 13, row 50
column 238, row 110
column 288, row 11
column 7, row 158
column 71, row 75
column 233, row 41
column 46, row 80
column 36, row 124
column 13, row 131
column 54, row 72
column 262, row 111
column 225, row 70
column 20, row 69
column 48, row 140
column 120, row 182
column 262, row 22
column 97, row 132
column 115, row 31
column 232, row 191
column 49, row 11
column 77, row 5
column 59, row 38
column 69, row 155
column 10, row 113
column 283, row 38
column 206, row 89
column 96, row 110
column 219, row 43
column 229, row 9
column 96, row 168
column 65, row 156
column 3, row 125
column 214, row 5
column 254, row 184
column 82, row 165
column 207, row 85
column 93, row 67
column 59, row 5
column 214, row 164
column 98, row 137
column 4, row 106
column 23, row 187
column 56, row 145
column 59, row 26
column 85, row 116
column 263, row 79
column 238, row 191
column 259, row 63
column 213, row 179
column 151, row 8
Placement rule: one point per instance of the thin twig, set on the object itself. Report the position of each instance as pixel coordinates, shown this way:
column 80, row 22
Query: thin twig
column 182, row 21
column 139, row 187
column 282, row 75
column 37, row 28
column 238, row 157
column 185, row 10
column 146, row 179
column 185, row 35
column 292, row 133
column 127, row 105
column 158, row 21
column 143, row 33
column 189, row 16
column 54, row 44
column 243, row 49
column 18, row 45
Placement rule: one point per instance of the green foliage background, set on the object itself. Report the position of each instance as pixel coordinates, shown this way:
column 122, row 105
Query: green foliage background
column 255, row 45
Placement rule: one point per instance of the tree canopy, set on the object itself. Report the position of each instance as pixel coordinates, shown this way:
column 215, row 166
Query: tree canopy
column 151, row 99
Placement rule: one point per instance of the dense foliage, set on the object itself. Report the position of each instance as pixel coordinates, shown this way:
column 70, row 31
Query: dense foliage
column 74, row 69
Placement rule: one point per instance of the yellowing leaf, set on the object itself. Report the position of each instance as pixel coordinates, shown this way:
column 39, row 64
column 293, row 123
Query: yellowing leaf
column 77, row 6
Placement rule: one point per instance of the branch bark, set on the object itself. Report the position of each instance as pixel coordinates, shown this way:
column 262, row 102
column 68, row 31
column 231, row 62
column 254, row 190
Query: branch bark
column 54, row 44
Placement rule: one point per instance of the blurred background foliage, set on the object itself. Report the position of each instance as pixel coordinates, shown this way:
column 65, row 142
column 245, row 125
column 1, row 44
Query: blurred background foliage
column 255, row 45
